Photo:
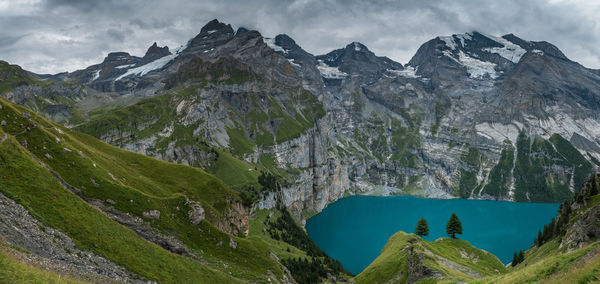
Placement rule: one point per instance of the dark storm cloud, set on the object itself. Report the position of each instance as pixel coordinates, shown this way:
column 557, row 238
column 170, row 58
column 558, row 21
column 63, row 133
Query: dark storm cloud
column 49, row 36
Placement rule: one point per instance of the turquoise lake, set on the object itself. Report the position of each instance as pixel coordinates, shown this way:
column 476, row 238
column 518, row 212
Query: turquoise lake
column 355, row 229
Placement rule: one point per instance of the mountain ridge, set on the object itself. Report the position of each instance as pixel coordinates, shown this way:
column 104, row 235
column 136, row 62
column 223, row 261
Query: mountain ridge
column 383, row 120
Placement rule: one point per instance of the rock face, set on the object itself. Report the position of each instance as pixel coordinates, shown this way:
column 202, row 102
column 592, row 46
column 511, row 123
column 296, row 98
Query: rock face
column 236, row 221
column 154, row 52
column 196, row 213
column 416, row 269
column 470, row 115
column 585, row 229
column 53, row 100
column 152, row 214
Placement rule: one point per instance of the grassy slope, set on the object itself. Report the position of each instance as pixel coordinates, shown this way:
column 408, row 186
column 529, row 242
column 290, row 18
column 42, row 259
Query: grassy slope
column 31, row 185
column 140, row 184
column 549, row 264
column 280, row 248
column 392, row 263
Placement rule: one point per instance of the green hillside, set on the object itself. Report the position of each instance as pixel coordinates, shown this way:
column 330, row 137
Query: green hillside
column 408, row 258
column 45, row 167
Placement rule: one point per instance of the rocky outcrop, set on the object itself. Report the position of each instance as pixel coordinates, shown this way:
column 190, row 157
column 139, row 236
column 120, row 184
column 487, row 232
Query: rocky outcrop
column 416, row 270
column 236, row 221
column 196, row 213
column 585, row 229
column 143, row 228
column 154, row 52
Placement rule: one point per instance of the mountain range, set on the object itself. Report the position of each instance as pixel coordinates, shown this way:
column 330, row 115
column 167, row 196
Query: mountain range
column 269, row 127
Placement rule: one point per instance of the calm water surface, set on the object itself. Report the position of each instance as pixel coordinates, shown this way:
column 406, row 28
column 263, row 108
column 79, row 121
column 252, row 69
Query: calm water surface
column 354, row 229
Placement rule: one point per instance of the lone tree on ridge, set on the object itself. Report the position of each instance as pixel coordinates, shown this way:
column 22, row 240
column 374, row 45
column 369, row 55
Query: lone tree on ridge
column 422, row 228
column 454, row 226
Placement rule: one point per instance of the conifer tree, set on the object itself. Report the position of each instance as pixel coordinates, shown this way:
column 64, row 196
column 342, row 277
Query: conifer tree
column 539, row 241
column 422, row 228
column 594, row 187
column 518, row 258
column 454, row 226
column 521, row 256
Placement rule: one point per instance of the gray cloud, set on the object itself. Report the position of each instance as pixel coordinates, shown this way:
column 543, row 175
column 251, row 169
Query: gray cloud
column 50, row 36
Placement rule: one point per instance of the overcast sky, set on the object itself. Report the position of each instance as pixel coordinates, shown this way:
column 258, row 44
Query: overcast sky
column 51, row 36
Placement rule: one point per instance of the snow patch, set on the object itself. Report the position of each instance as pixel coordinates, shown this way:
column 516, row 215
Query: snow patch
column 537, row 52
column 211, row 32
column 154, row 65
column 329, row 72
column 357, row 47
column 477, row 68
column 510, row 51
column 294, row 63
column 449, row 40
column 409, row 72
column 271, row 43
column 463, row 37
column 125, row 66
column 96, row 75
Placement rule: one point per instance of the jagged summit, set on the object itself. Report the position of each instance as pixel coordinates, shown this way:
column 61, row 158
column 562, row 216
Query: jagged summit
column 286, row 42
column 213, row 34
column 355, row 58
column 477, row 55
column 118, row 57
column 214, row 26
column 241, row 30
column 155, row 52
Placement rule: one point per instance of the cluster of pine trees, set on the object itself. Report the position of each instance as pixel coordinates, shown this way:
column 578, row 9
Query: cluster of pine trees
column 251, row 194
column 518, row 258
column 316, row 265
column 306, row 270
column 453, row 227
column 285, row 229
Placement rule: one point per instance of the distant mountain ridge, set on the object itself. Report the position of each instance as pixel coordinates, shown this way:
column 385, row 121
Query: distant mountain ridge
column 470, row 115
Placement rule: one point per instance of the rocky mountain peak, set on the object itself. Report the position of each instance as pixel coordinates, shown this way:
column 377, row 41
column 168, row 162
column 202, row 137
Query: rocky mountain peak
column 214, row 26
column 155, row 52
column 357, row 47
column 478, row 56
column 356, row 58
column 286, row 42
column 112, row 60
column 241, row 30
column 213, row 34
column 117, row 57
